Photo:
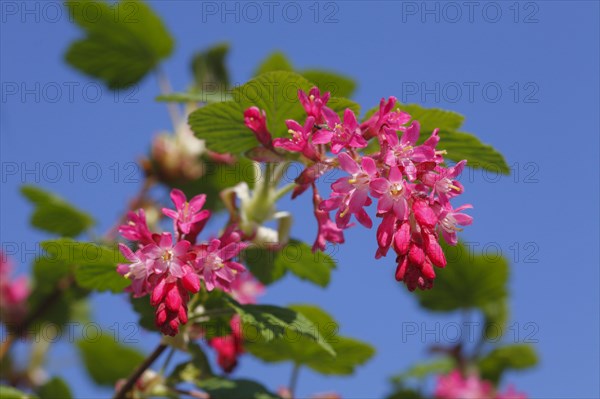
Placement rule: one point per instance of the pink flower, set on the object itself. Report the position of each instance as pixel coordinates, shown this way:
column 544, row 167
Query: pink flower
column 351, row 195
column 403, row 152
column 256, row 120
column 392, row 193
column 189, row 218
column 164, row 257
column 137, row 271
column 442, row 181
column 300, row 141
column 450, row 219
column 136, row 228
column 214, row 261
column 327, row 230
column 13, row 293
column 229, row 347
column 315, row 105
column 385, row 118
column 455, row 386
column 245, row 288
column 170, row 296
column 346, row 135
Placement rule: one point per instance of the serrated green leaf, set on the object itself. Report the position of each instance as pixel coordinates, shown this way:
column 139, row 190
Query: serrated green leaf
column 7, row 392
column 276, row 61
column 56, row 388
column 510, row 357
column 350, row 353
column 107, row 361
column 468, row 281
column 275, row 322
column 122, row 43
column 209, row 67
column 95, row 266
column 221, row 388
column 338, row 85
column 55, row 215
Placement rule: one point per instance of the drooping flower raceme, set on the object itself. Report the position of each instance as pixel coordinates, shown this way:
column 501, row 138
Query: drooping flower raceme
column 409, row 181
column 13, row 293
column 170, row 268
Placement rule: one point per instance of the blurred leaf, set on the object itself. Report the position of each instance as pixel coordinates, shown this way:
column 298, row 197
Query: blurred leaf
column 468, row 281
column 107, row 361
column 54, row 215
column 56, row 388
column 145, row 312
column 194, row 97
column 262, row 265
column 339, row 105
column 275, row 322
column 7, row 392
column 95, row 265
column 432, row 118
column 510, row 357
column 350, row 353
column 196, row 369
column 422, row 370
column 405, row 394
column 122, row 45
column 298, row 258
column 209, row 67
column 338, row 85
column 276, row 61
column 496, row 315
column 221, row 388
column 217, row 176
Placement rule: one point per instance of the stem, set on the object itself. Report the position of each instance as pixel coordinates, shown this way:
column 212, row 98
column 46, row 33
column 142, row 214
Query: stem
column 42, row 308
column 122, row 393
column 165, row 88
column 167, row 361
column 284, row 190
column 294, row 378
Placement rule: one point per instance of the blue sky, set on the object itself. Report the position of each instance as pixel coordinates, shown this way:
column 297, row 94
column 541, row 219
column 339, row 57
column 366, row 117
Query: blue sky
column 524, row 74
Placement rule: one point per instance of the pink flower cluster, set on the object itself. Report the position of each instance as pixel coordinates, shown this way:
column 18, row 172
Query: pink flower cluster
column 409, row 182
column 171, row 268
column 455, row 386
column 13, row 293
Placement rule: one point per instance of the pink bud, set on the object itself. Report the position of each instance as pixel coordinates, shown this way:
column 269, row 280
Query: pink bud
column 158, row 293
column 434, row 250
column 424, row 214
column 402, row 239
column 173, row 299
column 191, row 282
column 256, row 121
column 416, row 254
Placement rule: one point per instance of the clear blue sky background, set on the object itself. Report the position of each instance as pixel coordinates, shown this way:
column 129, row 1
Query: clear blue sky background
column 549, row 134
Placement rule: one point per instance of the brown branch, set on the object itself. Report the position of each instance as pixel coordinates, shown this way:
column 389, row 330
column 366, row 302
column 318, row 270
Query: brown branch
column 121, row 393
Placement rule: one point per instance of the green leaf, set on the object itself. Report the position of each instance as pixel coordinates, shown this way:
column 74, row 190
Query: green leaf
column 221, row 125
column 145, row 312
column 275, row 322
column 194, row 97
column 122, row 44
column 339, row 105
column 56, row 388
column 496, row 315
column 95, row 265
column 7, row 392
column 423, row 370
column 338, row 85
column 350, row 353
column 261, row 262
column 298, row 258
column 196, row 369
column 431, row 118
column 221, row 388
column 276, row 61
column 209, row 67
column 107, row 361
column 510, row 357
column 54, row 215
column 460, row 145
column 468, row 281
